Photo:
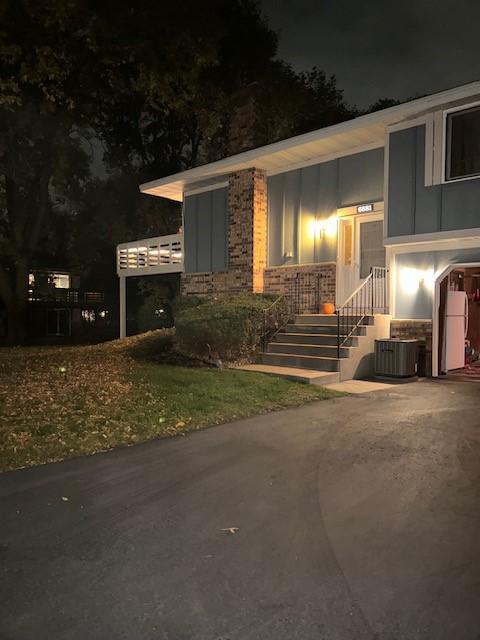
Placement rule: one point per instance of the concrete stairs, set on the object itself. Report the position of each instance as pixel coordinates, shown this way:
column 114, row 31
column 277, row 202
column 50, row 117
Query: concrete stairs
column 309, row 343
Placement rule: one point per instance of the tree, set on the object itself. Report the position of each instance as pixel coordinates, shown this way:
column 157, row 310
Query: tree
column 69, row 70
column 383, row 103
column 162, row 86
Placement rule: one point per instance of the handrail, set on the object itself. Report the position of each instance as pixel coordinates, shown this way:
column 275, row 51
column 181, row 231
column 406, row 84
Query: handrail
column 360, row 286
column 273, row 303
column 267, row 312
column 369, row 297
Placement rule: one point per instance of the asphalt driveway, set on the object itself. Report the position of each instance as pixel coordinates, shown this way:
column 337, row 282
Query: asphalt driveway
column 358, row 518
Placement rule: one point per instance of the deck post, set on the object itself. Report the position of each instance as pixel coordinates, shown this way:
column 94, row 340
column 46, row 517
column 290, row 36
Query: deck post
column 123, row 307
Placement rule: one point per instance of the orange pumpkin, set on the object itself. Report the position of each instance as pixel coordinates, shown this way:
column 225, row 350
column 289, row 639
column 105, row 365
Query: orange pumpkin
column 328, row 308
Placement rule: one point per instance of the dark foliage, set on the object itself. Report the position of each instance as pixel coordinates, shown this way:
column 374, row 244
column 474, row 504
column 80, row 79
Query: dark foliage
column 96, row 98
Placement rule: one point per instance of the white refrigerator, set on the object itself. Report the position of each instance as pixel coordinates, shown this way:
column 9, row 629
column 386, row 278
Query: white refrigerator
column 456, row 327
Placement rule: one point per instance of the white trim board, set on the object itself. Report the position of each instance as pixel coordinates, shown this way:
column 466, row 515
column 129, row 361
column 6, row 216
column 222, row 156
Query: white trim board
column 210, row 187
column 408, row 124
column 172, row 186
column 434, row 247
column 326, row 158
column 439, row 236
column 300, row 265
column 386, row 174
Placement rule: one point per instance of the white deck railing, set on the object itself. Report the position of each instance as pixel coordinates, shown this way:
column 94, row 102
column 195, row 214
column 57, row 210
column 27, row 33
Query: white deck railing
column 151, row 256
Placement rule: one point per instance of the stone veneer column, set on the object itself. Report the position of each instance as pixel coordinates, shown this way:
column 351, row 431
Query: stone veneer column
column 247, row 234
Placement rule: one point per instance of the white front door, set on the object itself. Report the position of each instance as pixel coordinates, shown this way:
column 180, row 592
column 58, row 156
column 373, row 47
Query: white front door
column 360, row 247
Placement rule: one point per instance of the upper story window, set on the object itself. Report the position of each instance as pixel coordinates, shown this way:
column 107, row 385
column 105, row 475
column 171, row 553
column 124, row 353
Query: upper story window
column 462, row 153
column 61, row 280
column 58, row 280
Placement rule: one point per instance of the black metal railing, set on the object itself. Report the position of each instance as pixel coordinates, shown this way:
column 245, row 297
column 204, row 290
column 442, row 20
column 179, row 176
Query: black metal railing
column 307, row 292
column 93, row 296
column 65, row 296
column 369, row 298
column 275, row 318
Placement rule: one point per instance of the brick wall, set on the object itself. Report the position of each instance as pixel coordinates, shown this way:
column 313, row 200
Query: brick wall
column 260, row 219
column 247, row 250
column 247, row 240
column 282, row 280
column 420, row 330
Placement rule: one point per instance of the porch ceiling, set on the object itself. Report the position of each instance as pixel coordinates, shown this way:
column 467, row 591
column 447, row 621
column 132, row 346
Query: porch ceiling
column 367, row 130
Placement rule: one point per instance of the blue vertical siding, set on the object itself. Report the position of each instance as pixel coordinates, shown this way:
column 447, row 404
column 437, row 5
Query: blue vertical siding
column 205, row 231
column 296, row 198
column 417, row 303
column 414, row 208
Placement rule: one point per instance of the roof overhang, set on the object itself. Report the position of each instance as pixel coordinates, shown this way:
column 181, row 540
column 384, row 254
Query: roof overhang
column 366, row 131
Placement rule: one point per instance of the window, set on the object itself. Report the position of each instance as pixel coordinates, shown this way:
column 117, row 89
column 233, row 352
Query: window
column 347, row 243
column 61, row 280
column 462, row 157
column 58, row 280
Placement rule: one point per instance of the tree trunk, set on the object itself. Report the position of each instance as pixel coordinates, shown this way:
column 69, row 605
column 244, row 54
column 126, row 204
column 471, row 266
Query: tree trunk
column 20, row 297
column 16, row 303
column 26, row 229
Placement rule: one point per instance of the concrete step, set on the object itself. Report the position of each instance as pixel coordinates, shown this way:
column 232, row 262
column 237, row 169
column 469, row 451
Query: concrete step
column 317, row 350
column 306, row 376
column 330, row 319
column 312, row 338
column 299, row 362
column 329, row 329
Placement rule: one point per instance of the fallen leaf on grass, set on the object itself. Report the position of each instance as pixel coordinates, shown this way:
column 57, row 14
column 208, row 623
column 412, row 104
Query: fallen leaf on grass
column 230, row 530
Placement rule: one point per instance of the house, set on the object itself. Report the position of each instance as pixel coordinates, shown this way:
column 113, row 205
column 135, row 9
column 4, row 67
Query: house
column 379, row 215
column 60, row 309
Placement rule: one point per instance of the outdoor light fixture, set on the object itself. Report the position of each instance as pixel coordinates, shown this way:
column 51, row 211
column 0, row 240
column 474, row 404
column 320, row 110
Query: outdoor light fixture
column 326, row 227
column 414, row 279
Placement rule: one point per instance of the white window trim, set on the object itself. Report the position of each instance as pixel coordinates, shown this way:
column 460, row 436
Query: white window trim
column 446, row 113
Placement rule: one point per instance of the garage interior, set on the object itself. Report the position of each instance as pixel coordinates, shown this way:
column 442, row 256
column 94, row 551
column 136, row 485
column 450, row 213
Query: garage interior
column 459, row 323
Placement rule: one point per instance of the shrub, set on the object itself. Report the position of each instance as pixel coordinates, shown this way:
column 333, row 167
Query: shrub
column 223, row 327
column 152, row 345
column 155, row 311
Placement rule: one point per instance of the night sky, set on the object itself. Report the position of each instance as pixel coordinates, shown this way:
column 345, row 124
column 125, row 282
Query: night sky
column 381, row 48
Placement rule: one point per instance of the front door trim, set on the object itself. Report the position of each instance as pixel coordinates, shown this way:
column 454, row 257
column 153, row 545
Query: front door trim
column 356, row 220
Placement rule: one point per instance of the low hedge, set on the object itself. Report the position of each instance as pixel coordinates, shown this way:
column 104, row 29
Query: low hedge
column 223, row 327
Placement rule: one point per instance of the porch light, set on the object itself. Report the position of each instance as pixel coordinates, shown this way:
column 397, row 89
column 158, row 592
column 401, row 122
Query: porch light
column 331, row 227
column 326, row 227
column 413, row 279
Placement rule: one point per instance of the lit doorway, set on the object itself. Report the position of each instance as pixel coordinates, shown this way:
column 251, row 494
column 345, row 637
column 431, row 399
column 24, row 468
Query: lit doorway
column 360, row 247
column 456, row 322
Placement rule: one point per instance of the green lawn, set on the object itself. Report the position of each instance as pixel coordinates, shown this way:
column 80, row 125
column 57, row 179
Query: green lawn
column 57, row 402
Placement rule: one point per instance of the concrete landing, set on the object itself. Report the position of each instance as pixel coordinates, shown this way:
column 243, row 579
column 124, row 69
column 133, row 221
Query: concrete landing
column 361, row 386
column 307, row 376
